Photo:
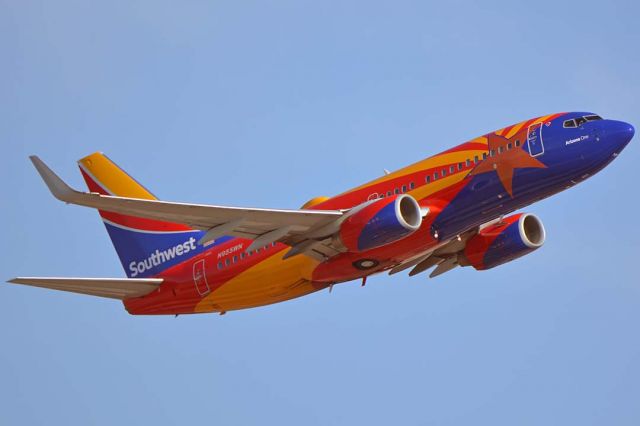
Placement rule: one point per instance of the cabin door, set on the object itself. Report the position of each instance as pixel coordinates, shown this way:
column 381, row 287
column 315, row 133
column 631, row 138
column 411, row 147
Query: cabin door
column 534, row 140
column 200, row 278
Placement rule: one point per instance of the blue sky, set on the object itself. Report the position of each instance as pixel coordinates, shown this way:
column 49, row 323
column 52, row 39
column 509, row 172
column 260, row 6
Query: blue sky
column 268, row 104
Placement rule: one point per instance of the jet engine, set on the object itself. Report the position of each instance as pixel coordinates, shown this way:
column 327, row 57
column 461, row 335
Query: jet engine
column 504, row 241
column 379, row 222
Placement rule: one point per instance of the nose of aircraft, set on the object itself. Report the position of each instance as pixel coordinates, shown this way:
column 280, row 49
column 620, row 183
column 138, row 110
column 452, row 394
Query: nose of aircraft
column 619, row 133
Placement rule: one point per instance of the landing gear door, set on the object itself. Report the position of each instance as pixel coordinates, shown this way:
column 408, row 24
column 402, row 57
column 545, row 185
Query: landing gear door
column 534, row 140
column 200, row 278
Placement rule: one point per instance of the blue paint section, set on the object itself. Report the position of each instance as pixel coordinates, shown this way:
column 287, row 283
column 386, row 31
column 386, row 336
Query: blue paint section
column 381, row 229
column 145, row 254
column 570, row 155
column 506, row 247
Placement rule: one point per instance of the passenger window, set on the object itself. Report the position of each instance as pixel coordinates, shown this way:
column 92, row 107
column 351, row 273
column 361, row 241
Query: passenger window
column 411, row 185
column 243, row 255
column 500, row 149
column 444, row 172
column 492, row 153
column 468, row 162
column 388, row 193
column 219, row 265
column 460, row 166
column 475, row 159
column 452, row 169
column 397, row 191
column 227, row 262
column 273, row 244
column 484, row 155
column 517, row 142
column 436, row 175
column 404, row 188
column 428, row 179
column 509, row 146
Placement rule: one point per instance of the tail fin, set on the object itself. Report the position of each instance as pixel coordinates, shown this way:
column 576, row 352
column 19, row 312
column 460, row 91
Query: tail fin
column 145, row 247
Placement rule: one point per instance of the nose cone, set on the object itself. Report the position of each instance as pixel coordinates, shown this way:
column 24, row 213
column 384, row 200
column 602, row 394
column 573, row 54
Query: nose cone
column 619, row 133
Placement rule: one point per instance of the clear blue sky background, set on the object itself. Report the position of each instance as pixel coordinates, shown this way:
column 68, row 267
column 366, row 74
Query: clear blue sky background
column 269, row 104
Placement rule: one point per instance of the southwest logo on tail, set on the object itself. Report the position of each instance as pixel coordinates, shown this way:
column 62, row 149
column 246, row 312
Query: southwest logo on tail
column 442, row 212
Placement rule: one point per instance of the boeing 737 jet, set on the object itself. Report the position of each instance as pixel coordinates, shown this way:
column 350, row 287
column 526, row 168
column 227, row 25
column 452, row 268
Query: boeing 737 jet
column 452, row 209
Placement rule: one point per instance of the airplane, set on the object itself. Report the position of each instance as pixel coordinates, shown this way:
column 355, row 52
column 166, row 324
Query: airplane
column 452, row 209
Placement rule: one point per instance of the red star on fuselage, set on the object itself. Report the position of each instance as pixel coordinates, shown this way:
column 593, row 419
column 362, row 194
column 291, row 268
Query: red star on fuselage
column 506, row 155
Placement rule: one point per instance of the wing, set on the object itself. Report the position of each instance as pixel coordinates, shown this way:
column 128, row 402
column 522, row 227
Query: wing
column 444, row 257
column 303, row 229
column 113, row 288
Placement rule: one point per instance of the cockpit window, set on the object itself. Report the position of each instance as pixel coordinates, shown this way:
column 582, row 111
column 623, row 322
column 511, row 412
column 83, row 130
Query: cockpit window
column 580, row 121
column 577, row 122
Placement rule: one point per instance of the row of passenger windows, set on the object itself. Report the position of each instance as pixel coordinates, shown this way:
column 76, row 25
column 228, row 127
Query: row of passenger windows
column 476, row 159
column 400, row 190
column 453, row 168
column 577, row 122
column 245, row 254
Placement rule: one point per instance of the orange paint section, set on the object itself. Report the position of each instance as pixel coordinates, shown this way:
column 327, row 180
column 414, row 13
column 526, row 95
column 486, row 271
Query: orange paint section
column 113, row 178
column 273, row 280
column 313, row 202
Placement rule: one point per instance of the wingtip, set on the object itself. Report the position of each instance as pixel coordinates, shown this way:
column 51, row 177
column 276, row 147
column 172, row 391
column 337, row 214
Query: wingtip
column 57, row 186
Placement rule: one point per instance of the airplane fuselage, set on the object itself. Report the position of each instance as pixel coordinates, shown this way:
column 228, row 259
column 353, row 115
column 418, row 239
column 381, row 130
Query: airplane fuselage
column 462, row 188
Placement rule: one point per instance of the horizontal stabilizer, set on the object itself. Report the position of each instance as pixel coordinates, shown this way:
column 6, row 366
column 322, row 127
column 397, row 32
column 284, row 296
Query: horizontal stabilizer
column 114, row 288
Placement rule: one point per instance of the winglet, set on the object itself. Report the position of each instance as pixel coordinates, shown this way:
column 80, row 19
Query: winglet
column 57, row 186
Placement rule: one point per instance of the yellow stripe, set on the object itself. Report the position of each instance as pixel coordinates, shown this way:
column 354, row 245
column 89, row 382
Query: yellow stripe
column 113, row 178
column 515, row 130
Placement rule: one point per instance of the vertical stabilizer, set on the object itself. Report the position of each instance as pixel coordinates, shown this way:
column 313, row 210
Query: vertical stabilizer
column 145, row 247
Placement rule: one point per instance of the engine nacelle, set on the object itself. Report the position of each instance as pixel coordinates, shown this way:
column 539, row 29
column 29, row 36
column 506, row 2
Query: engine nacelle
column 379, row 222
column 503, row 242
